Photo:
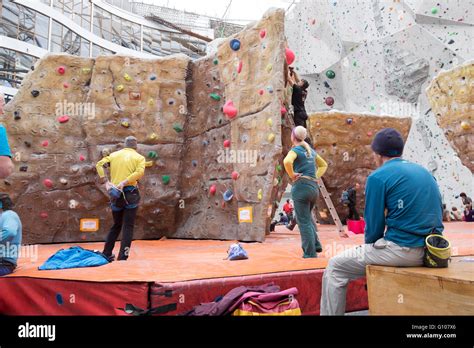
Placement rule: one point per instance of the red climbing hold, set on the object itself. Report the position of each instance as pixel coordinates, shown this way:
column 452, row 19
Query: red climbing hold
column 213, row 190
column 63, row 119
column 290, row 56
column 61, row 70
column 226, row 143
column 235, row 175
column 329, row 101
column 263, row 33
column 239, row 68
column 48, row 183
column 66, row 85
column 283, row 110
column 82, row 158
column 261, row 91
column 45, row 143
column 230, row 110
column 44, row 215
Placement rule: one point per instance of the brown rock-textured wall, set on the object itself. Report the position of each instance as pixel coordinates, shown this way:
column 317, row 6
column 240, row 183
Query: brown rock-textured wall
column 70, row 111
column 451, row 95
column 343, row 140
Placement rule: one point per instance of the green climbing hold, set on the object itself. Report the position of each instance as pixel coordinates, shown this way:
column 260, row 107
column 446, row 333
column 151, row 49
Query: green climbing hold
column 178, row 128
column 354, row 63
column 166, row 179
column 215, row 96
column 152, row 154
column 330, row 74
column 434, row 10
column 215, row 61
column 278, row 168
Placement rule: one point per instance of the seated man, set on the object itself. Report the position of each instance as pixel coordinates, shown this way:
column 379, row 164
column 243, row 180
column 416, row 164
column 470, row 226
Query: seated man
column 10, row 235
column 411, row 198
column 283, row 219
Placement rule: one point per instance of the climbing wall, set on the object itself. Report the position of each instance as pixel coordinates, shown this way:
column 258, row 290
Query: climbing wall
column 247, row 70
column 211, row 131
column 343, row 140
column 451, row 95
column 378, row 57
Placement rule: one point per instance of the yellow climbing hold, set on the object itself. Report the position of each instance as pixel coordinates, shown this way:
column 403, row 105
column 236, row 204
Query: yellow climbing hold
column 86, row 70
column 119, row 88
column 151, row 102
column 271, row 137
column 153, row 136
column 275, row 182
column 269, row 68
column 465, row 125
column 270, row 122
column 149, row 164
column 127, row 77
column 260, row 194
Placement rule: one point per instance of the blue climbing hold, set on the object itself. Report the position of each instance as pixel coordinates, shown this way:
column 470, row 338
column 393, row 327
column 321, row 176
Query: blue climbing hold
column 228, row 195
column 59, row 299
column 235, row 44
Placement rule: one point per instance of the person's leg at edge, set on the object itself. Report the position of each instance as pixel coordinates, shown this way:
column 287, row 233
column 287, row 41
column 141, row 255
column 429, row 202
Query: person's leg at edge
column 351, row 265
column 318, row 246
column 127, row 235
column 302, row 196
column 113, row 233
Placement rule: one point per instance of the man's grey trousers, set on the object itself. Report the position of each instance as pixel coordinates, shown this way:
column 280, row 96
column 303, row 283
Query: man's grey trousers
column 351, row 264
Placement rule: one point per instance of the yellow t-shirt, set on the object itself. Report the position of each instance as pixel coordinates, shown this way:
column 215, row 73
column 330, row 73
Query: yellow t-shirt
column 126, row 164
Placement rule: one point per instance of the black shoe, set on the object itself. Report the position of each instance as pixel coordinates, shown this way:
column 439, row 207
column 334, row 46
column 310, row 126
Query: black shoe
column 110, row 258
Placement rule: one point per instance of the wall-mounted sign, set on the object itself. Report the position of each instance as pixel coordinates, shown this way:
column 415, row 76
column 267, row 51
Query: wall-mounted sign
column 245, row 215
column 89, row 225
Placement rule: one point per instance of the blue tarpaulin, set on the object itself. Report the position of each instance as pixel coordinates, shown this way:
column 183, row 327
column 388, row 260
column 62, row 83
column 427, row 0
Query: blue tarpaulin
column 74, row 257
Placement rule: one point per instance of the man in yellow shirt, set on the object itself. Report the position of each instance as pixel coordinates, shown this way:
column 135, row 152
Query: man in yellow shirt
column 127, row 166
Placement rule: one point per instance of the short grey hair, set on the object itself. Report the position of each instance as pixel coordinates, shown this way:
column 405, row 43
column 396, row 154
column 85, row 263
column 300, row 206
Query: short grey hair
column 131, row 142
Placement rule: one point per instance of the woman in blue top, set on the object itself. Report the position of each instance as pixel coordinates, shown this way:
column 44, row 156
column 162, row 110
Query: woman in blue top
column 10, row 235
column 304, row 166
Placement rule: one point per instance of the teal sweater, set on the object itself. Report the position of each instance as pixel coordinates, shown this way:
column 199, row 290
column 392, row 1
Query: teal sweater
column 10, row 236
column 412, row 199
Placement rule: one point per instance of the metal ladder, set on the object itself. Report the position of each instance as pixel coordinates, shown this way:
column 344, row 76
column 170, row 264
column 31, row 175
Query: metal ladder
column 330, row 206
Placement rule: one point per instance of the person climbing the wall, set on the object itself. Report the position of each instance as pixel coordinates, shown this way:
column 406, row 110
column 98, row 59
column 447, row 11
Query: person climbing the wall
column 6, row 164
column 303, row 165
column 466, row 200
column 10, row 235
column 298, row 99
column 401, row 197
column 127, row 166
column 352, row 202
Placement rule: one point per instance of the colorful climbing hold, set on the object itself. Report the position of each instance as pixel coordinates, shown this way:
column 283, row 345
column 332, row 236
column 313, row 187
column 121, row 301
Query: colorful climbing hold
column 194, row 163
column 48, row 183
column 63, row 119
column 226, row 143
column 125, row 123
column 153, row 136
column 228, row 195
column 329, row 101
column 61, row 70
column 178, row 128
column 270, row 122
column 235, row 175
column 23, row 168
column 270, row 89
column 82, row 158
column 261, row 91
column 271, row 137
column 66, row 85
column 151, row 101
column 239, row 67
column 215, row 96
column 260, row 194
column 153, row 77
column 269, row 68
column 230, row 110
column 86, row 70
column 166, row 179
column 212, row 190
column 35, row 93
column 235, row 44
column 283, row 110
column 263, row 33
column 349, row 121
column 330, row 74
column 59, row 299
column 434, row 10
column 152, row 154
column 369, row 133
column 119, row 88
column 465, row 125
column 16, row 115
column 279, row 168
column 45, row 143
column 127, row 77
column 215, row 61
column 63, row 181
column 290, row 56
column 44, row 215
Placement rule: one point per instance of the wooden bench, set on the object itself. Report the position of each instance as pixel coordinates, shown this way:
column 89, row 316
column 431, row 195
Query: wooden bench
column 421, row 290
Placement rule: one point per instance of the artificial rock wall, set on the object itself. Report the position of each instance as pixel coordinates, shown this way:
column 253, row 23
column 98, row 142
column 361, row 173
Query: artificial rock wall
column 343, row 140
column 71, row 111
column 378, row 57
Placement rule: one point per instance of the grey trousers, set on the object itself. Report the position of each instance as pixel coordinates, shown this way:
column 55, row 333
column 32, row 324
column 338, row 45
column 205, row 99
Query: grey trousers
column 351, row 264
